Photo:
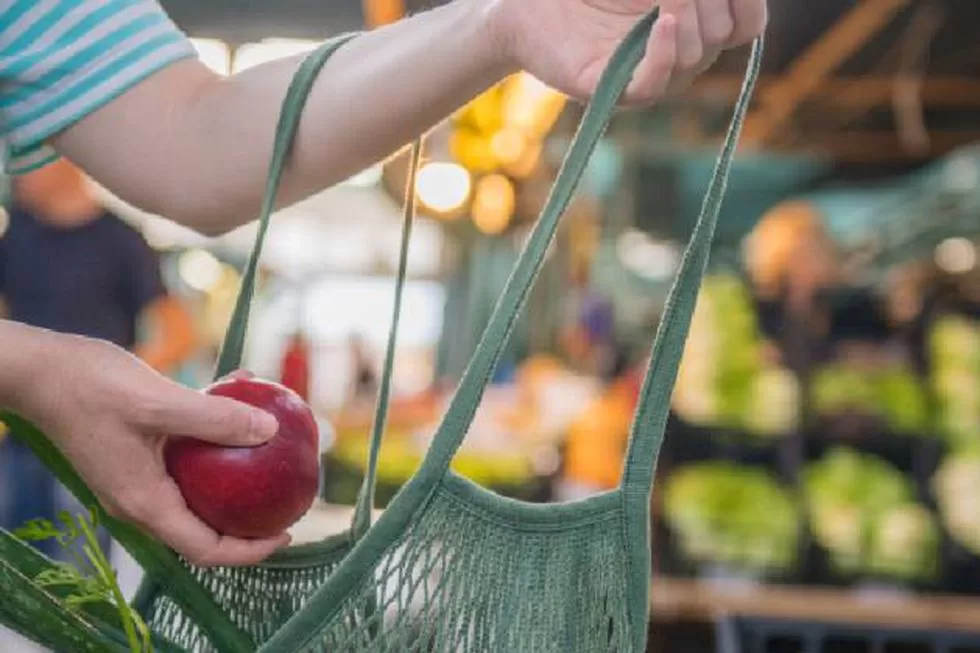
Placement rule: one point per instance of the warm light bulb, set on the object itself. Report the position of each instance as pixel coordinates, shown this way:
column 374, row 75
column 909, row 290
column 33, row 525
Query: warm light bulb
column 956, row 255
column 527, row 163
column 443, row 187
column 472, row 150
column 532, row 106
column 493, row 204
column 508, row 145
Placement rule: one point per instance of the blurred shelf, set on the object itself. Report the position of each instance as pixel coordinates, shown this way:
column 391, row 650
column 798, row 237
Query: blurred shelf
column 680, row 600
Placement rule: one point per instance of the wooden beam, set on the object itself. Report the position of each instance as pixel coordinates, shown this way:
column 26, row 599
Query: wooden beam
column 684, row 600
column 850, row 92
column 806, row 74
column 883, row 146
column 382, row 12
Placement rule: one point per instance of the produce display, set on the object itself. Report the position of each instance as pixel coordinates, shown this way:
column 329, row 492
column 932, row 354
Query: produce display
column 864, row 513
column 724, row 513
column 402, row 454
column 724, row 378
column 956, row 487
column 890, row 393
column 954, row 344
column 251, row 492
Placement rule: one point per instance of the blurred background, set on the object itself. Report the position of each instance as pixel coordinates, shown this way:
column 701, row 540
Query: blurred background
column 820, row 481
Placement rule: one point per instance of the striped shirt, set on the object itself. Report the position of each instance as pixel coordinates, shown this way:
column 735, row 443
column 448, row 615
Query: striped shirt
column 60, row 60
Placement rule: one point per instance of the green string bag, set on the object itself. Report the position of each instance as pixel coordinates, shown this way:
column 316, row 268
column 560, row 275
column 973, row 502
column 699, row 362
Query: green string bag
column 449, row 566
column 453, row 567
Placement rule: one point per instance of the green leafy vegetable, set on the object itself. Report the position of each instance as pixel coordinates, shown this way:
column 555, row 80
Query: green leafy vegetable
column 91, row 579
column 864, row 513
column 732, row 515
column 955, row 348
column 957, row 490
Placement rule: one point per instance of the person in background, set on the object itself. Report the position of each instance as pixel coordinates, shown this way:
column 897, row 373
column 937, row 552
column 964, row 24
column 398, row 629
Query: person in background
column 69, row 265
column 294, row 370
column 792, row 264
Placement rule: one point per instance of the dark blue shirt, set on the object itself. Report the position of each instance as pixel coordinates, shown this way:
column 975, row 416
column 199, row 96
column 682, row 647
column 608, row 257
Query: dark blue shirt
column 92, row 280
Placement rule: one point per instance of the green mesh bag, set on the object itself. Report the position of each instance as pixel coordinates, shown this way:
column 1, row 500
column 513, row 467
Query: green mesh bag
column 449, row 566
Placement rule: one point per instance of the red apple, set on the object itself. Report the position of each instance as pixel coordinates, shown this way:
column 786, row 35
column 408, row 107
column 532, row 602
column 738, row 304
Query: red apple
column 251, row 492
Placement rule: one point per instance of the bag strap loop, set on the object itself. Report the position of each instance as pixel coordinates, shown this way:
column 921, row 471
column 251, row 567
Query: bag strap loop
column 464, row 404
column 653, row 408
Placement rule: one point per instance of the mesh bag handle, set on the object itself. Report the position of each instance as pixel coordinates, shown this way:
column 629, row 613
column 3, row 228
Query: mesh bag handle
column 612, row 83
column 413, row 499
column 459, row 416
column 234, row 341
column 653, row 408
column 650, row 418
column 365, row 498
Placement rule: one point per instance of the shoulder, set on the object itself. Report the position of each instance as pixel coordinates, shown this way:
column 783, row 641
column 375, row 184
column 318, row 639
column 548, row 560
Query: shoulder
column 63, row 59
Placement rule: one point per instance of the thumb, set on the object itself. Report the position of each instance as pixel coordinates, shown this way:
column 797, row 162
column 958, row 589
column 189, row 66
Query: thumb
column 220, row 420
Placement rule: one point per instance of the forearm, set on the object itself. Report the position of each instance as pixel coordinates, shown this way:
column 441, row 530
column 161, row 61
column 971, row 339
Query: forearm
column 23, row 353
column 202, row 143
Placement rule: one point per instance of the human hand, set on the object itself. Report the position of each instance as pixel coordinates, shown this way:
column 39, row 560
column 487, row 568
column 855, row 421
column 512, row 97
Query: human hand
column 567, row 43
column 110, row 414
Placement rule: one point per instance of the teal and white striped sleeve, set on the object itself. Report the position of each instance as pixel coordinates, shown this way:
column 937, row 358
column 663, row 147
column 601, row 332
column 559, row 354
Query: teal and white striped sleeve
column 60, row 60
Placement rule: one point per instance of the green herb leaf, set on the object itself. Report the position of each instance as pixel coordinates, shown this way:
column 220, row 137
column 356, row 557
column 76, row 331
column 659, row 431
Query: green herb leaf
column 38, row 530
column 72, row 530
column 63, row 574
column 99, row 585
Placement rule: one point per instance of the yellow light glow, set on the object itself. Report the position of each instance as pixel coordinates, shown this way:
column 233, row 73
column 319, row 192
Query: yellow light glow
column 532, row 106
column 214, row 54
column 484, row 112
column 527, row 163
column 508, row 145
column 253, row 54
column 493, row 204
column 443, row 187
column 199, row 269
column 472, row 150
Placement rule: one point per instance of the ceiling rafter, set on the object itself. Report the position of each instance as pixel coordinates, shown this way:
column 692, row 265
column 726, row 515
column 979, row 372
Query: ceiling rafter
column 806, row 75
column 886, row 146
column 853, row 92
